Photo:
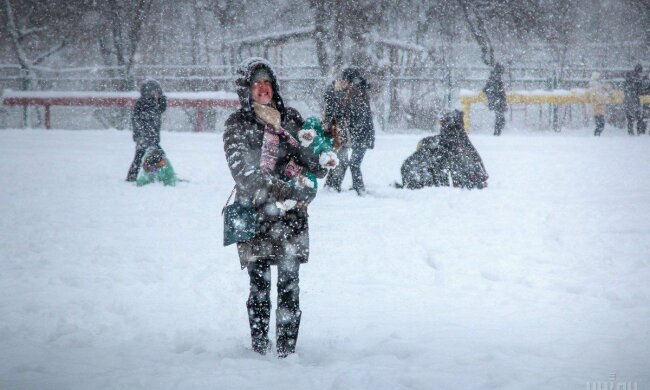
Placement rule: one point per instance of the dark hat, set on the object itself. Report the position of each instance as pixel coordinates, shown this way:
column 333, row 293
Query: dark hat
column 354, row 76
column 451, row 122
column 149, row 87
column 152, row 159
column 260, row 74
column 638, row 68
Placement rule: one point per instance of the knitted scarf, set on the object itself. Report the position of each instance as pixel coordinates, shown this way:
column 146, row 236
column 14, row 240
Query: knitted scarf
column 273, row 134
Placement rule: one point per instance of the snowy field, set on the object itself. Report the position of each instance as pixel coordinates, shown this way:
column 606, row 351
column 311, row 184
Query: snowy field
column 541, row 281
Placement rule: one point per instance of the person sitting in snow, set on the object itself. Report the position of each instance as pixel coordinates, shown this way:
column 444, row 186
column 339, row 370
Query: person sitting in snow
column 156, row 167
column 424, row 168
column 146, row 122
column 449, row 154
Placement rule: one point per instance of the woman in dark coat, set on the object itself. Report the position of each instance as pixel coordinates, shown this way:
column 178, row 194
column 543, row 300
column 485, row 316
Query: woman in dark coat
column 146, row 122
column 262, row 153
column 347, row 102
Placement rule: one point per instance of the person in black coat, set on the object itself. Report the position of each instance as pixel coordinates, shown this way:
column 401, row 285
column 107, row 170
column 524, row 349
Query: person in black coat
column 348, row 104
column 496, row 95
column 146, row 122
column 262, row 152
column 633, row 87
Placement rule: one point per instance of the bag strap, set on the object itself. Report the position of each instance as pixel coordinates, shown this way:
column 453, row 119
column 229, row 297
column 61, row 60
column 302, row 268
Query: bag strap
column 228, row 201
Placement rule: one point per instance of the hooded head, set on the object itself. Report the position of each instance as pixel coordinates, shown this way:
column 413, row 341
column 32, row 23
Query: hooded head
column 451, row 123
column 154, row 159
column 149, row 88
column 354, row 76
column 638, row 68
column 251, row 70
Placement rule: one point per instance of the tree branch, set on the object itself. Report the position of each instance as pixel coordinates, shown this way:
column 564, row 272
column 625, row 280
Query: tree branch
column 55, row 49
column 15, row 37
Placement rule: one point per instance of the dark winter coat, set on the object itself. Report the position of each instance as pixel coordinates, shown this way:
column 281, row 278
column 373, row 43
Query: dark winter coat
column 495, row 91
column 351, row 109
column 280, row 235
column 460, row 157
column 425, row 167
column 147, row 114
column 633, row 88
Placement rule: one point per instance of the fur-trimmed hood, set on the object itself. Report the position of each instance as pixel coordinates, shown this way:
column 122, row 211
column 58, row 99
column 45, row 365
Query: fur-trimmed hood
column 245, row 73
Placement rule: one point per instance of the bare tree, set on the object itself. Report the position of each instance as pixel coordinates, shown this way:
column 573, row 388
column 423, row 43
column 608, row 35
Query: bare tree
column 341, row 29
column 123, row 20
column 30, row 41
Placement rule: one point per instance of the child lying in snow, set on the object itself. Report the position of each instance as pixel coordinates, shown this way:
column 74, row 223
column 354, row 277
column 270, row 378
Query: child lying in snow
column 156, row 167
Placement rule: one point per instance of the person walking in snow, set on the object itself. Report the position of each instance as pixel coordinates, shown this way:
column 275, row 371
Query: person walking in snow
column 348, row 105
column 496, row 96
column 267, row 162
column 146, row 122
column 632, row 88
column 599, row 93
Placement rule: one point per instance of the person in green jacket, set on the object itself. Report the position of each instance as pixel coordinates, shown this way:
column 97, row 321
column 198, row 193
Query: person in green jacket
column 156, row 167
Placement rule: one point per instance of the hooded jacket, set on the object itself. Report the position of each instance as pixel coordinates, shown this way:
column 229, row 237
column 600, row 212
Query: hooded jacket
column 281, row 234
column 147, row 114
column 495, row 91
column 351, row 109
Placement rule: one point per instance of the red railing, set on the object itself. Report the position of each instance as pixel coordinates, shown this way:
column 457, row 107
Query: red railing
column 198, row 100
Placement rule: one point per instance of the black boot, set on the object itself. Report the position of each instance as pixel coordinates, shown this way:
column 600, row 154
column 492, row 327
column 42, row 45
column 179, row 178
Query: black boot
column 259, row 306
column 288, row 314
column 287, row 332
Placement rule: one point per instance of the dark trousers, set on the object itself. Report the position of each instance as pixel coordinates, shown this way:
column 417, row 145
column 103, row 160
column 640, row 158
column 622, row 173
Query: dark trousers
column 635, row 116
column 499, row 121
column 336, row 175
column 600, row 124
column 137, row 163
column 288, row 313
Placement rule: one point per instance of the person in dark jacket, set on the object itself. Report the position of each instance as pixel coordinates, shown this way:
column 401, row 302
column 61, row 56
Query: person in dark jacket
column 496, row 95
column 146, row 122
column 461, row 158
column 265, row 157
column 632, row 89
column 348, row 104
column 425, row 167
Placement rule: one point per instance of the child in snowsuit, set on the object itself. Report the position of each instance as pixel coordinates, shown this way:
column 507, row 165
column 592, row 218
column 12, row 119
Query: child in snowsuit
column 156, row 167
column 320, row 145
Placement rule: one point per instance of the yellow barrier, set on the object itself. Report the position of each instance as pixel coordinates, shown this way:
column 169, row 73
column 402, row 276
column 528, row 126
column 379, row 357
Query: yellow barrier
column 539, row 97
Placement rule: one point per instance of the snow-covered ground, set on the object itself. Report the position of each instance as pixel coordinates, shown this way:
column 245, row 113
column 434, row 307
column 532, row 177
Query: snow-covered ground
column 541, row 281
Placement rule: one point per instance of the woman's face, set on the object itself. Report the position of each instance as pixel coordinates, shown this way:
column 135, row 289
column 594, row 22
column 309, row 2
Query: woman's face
column 262, row 91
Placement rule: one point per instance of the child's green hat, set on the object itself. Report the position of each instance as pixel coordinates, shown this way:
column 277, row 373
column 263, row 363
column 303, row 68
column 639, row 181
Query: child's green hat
column 313, row 122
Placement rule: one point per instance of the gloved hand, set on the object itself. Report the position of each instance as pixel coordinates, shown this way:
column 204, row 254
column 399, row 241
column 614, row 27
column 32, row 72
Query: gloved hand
column 306, row 137
column 328, row 160
column 303, row 194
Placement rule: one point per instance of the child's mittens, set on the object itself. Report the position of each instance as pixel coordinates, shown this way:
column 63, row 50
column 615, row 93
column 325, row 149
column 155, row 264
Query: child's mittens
column 328, row 160
column 306, row 137
column 305, row 181
column 286, row 204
